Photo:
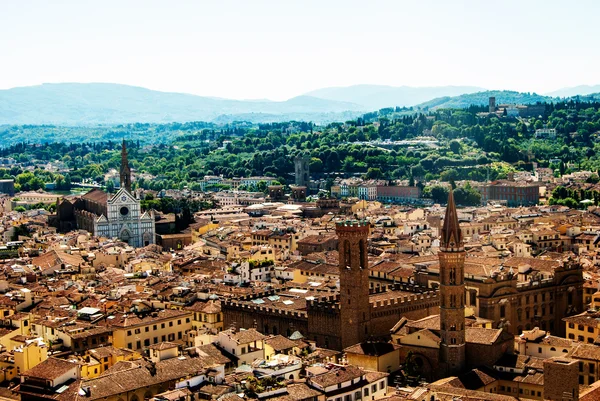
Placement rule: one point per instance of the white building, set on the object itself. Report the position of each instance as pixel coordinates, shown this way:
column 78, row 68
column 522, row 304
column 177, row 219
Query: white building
column 126, row 221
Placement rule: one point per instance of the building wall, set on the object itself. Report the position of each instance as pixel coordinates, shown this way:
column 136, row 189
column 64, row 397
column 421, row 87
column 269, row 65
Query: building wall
column 139, row 337
column 393, row 193
column 385, row 363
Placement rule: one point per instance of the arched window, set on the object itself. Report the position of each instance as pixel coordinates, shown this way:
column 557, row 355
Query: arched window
column 347, row 252
column 363, row 254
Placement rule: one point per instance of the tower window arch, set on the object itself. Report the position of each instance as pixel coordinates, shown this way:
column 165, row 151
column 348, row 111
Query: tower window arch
column 347, row 253
column 363, row 254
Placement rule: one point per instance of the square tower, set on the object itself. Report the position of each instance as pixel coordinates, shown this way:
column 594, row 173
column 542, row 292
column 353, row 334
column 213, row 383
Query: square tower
column 354, row 281
column 302, row 172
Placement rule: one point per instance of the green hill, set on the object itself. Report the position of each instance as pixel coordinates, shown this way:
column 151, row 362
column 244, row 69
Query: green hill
column 482, row 99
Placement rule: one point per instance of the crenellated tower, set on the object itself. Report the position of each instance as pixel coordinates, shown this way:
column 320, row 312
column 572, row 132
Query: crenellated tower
column 125, row 170
column 354, row 281
column 452, row 293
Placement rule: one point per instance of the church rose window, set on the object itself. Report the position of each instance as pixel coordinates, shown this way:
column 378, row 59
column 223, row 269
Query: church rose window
column 124, row 211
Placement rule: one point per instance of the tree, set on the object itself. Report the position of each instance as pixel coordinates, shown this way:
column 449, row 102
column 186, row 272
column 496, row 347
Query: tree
column 467, row 196
column 374, row 173
column 438, row 193
column 316, row 165
column 455, row 147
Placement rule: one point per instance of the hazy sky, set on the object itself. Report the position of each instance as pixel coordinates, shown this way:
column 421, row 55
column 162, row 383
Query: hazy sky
column 282, row 48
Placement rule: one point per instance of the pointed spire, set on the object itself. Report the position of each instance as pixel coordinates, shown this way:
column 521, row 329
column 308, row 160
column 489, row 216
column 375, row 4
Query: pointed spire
column 125, row 170
column 451, row 235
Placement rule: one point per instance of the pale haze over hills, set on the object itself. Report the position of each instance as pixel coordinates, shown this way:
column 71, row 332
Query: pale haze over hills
column 105, row 103
column 374, row 97
column 102, row 103
column 581, row 90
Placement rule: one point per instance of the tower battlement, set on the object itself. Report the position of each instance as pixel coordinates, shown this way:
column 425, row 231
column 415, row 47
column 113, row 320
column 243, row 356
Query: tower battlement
column 351, row 225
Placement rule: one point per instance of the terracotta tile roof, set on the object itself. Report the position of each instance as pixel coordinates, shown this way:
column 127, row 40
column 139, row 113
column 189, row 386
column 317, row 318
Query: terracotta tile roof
column 279, row 343
column 337, row 375
column 585, row 351
column 480, row 335
column 163, row 346
column 244, row 336
column 50, row 369
column 131, row 320
column 475, row 379
column 371, row 348
column 130, row 376
column 96, row 195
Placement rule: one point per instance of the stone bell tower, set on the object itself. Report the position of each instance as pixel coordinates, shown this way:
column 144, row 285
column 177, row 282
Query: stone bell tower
column 354, row 281
column 125, row 173
column 452, row 293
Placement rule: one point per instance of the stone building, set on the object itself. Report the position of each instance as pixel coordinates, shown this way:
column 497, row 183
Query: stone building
column 334, row 319
column 443, row 345
column 519, row 292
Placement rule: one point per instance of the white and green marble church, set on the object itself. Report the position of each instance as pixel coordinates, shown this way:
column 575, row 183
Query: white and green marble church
column 120, row 216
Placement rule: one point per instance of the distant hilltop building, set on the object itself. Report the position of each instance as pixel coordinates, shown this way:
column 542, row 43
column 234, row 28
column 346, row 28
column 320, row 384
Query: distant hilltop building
column 545, row 133
column 7, row 187
column 492, row 105
column 514, row 110
column 119, row 216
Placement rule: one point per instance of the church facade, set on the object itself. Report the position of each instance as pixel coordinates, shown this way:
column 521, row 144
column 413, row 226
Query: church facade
column 118, row 216
column 124, row 220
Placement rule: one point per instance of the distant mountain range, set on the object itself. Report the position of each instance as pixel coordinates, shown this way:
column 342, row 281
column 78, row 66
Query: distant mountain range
column 100, row 103
column 375, row 97
column 580, row 90
column 84, row 104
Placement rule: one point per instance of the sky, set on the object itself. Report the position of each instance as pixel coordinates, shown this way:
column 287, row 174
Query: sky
column 253, row 49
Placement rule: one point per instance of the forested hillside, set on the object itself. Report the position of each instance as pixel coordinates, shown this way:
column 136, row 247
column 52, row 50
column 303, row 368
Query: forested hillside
column 466, row 146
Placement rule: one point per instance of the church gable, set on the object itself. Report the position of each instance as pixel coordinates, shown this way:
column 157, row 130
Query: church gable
column 122, row 196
